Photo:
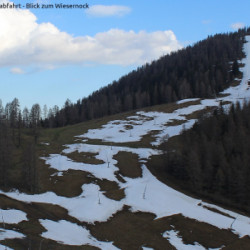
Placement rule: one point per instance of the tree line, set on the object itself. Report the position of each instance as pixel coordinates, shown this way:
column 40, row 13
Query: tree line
column 18, row 158
column 212, row 159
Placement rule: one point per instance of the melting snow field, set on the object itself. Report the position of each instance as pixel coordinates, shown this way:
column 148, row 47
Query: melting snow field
column 176, row 241
column 10, row 234
column 12, row 216
column 145, row 122
column 142, row 124
column 2, row 247
column 146, row 193
column 72, row 234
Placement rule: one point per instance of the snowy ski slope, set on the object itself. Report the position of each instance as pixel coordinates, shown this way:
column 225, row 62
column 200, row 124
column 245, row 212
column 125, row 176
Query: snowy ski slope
column 146, row 193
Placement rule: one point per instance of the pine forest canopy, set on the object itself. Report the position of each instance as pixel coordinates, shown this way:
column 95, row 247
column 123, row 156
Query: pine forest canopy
column 212, row 159
column 201, row 70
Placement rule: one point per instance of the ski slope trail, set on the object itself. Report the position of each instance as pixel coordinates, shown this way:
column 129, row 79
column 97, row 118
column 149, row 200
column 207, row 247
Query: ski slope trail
column 144, row 194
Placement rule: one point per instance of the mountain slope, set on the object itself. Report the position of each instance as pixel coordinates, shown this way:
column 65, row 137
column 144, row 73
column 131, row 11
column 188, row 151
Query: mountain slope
column 88, row 199
column 201, row 70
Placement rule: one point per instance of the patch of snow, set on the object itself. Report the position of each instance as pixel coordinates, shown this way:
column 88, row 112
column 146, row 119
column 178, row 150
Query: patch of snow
column 10, row 234
column 90, row 206
column 177, row 242
column 170, row 131
column 242, row 91
column 238, row 222
column 149, row 121
column 116, row 131
column 59, row 173
column 81, row 140
column 63, row 163
column 12, row 216
column 105, row 153
column 45, row 143
column 188, row 100
column 2, row 247
column 148, row 194
column 71, row 234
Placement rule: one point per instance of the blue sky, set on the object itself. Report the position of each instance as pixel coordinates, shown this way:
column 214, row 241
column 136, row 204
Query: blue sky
column 49, row 55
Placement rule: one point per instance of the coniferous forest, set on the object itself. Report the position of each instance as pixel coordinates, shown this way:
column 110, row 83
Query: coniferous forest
column 18, row 138
column 201, row 70
column 212, row 159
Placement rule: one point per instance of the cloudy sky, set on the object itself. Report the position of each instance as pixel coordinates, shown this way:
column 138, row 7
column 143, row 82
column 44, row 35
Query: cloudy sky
column 49, row 55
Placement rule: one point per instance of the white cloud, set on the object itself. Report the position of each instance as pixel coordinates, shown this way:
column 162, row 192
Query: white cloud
column 108, row 10
column 236, row 26
column 17, row 71
column 24, row 42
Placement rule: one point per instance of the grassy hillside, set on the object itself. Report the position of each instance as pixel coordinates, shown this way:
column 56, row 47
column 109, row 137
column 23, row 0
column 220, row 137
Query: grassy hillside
column 126, row 229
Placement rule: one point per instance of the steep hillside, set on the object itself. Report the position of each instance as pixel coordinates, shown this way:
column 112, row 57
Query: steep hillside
column 212, row 158
column 201, row 70
column 96, row 190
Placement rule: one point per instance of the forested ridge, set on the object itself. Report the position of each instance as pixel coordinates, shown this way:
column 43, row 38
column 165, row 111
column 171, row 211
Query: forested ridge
column 201, row 70
column 212, row 159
